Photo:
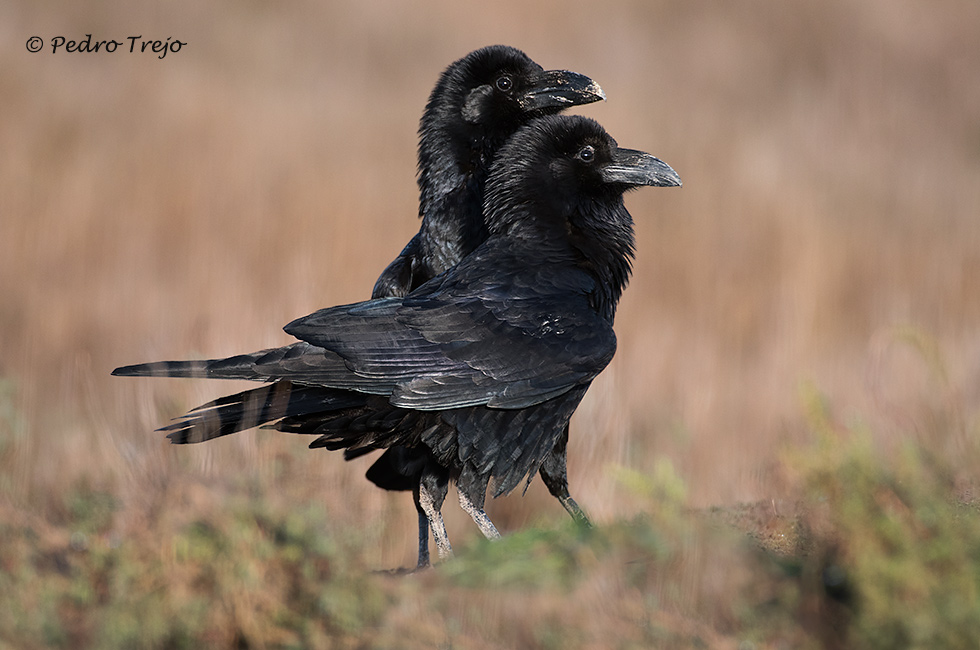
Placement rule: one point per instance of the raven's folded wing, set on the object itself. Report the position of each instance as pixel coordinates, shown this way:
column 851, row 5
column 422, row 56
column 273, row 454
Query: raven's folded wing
column 433, row 350
column 440, row 351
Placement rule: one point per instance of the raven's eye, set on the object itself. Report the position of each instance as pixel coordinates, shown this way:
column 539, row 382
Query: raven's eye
column 505, row 83
column 586, row 154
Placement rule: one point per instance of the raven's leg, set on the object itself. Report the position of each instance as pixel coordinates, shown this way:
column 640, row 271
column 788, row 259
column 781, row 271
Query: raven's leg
column 479, row 516
column 432, row 490
column 555, row 476
column 423, row 529
column 414, row 468
column 472, row 493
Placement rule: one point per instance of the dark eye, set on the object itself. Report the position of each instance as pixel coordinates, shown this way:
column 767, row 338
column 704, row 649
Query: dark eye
column 586, row 154
column 505, row 83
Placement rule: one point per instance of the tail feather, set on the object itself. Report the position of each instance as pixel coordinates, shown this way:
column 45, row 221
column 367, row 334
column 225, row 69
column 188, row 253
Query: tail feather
column 241, row 366
column 255, row 407
column 355, row 420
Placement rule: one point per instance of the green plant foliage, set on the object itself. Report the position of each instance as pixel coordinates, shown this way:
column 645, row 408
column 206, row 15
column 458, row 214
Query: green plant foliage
column 251, row 578
column 890, row 537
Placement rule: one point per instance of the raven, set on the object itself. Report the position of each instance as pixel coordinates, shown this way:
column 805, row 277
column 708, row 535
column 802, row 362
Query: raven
column 478, row 102
column 481, row 367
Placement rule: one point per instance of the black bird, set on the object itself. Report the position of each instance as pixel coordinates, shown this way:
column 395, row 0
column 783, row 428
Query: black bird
column 478, row 102
column 481, row 367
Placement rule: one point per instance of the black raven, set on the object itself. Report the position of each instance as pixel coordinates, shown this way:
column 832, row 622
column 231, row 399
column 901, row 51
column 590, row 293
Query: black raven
column 478, row 102
column 481, row 367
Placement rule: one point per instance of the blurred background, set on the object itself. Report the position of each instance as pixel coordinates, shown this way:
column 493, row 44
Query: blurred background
column 827, row 235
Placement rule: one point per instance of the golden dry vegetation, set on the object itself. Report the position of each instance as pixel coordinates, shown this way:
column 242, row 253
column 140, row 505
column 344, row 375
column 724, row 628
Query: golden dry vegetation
column 825, row 247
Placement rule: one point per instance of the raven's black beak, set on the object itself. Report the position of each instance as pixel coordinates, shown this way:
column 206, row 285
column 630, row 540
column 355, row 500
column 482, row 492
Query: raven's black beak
column 631, row 167
column 558, row 89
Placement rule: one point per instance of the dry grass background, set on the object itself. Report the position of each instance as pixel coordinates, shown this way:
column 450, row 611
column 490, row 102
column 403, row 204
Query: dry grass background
column 828, row 232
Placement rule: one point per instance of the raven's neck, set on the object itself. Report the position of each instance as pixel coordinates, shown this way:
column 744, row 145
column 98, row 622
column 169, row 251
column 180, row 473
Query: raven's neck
column 611, row 273
column 606, row 260
column 596, row 239
column 453, row 169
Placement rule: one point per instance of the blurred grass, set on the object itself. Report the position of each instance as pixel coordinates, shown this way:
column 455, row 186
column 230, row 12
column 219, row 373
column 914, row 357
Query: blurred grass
column 827, row 235
column 899, row 540
column 873, row 553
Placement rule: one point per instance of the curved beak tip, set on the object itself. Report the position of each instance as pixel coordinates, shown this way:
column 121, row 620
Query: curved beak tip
column 635, row 168
column 562, row 88
column 594, row 89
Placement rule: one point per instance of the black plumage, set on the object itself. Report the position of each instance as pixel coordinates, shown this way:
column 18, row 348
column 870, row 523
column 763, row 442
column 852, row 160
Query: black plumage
column 478, row 102
column 481, row 367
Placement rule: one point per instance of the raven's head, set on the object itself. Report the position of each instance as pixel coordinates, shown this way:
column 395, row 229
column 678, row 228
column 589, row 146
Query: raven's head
column 502, row 85
column 557, row 187
column 481, row 99
column 565, row 170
